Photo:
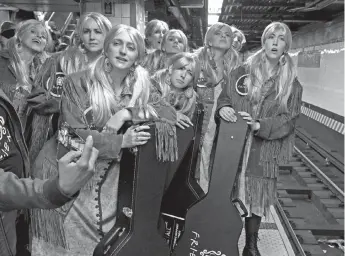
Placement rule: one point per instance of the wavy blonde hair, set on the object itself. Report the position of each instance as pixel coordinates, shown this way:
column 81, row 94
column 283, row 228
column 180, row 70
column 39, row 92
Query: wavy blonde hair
column 157, row 59
column 20, row 69
column 103, row 23
column 286, row 70
column 162, row 76
column 101, row 93
column 240, row 34
column 231, row 58
column 181, row 34
column 150, row 28
column 72, row 60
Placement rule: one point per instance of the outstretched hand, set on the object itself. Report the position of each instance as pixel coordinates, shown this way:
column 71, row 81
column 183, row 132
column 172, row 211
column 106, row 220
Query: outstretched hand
column 76, row 168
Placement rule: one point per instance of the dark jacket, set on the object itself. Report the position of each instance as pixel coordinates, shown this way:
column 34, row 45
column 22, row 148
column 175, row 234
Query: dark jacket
column 8, row 78
column 21, row 192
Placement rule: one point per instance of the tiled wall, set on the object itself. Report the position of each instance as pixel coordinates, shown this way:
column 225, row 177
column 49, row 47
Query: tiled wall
column 324, row 83
column 122, row 14
column 129, row 12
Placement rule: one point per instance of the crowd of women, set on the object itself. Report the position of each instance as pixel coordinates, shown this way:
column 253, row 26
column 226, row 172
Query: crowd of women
column 113, row 75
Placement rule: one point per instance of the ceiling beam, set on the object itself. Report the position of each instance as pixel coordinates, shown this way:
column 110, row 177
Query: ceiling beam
column 322, row 4
column 269, row 17
column 246, row 3
column 246, row 20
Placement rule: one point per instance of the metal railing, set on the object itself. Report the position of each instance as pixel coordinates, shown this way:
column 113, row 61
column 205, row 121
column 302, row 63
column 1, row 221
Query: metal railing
column 67, row 22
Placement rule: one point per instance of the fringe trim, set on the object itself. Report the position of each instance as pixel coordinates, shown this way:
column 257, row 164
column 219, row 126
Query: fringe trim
column 279, row 151
column 270, row 169
column 40, row 128
column 47, row 224
column 260, row 193
column 166, row 142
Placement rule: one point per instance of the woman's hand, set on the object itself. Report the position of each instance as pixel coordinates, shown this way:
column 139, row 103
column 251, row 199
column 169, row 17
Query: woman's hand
column 116, row 121
column 135, row 136
column 254, row 125
column 183, row 121
column 228, row 114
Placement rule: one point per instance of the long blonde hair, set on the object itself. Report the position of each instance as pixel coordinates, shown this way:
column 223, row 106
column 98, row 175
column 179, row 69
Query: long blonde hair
column 162, row 77
column 231, row 58
column 240, row 35
column 101, row 93
column 20, row 69
column 103, row 23
column 286, row 70
column 72, row 60
column 181, row 34
column 150, row 28
column 158, row 59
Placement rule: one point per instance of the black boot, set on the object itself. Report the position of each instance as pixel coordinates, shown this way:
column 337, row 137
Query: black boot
column 252, row 225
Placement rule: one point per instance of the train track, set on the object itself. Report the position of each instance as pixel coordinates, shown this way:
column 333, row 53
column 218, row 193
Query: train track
column 311, row 199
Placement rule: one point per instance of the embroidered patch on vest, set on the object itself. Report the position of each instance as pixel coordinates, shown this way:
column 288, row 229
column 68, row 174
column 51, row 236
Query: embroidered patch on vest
column 56, row 90
column 242, row 85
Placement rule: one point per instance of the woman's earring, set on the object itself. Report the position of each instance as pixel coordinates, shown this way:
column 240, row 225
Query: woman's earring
column 211, row 57
column 107, row 65
column 282, row 59
column 168, row 80
column 19, row 43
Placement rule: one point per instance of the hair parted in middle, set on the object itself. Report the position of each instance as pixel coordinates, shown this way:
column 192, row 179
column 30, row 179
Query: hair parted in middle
column 151, row 27
column 286, row 70
column 100, row 90
column 13, row 44
column 178, row 32
column 182, row 103
column 103, row 23
column 231, row 58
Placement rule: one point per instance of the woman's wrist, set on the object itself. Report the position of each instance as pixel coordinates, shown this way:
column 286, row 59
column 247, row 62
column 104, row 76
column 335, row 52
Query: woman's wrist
column 256, row 126
column 126, row 115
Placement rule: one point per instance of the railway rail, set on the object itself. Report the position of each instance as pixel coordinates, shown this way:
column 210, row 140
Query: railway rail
column 311, row 199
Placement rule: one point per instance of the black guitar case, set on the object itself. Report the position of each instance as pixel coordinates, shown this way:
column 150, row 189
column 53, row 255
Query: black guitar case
column 183, row 191
column 213, row 225
column 141, row 188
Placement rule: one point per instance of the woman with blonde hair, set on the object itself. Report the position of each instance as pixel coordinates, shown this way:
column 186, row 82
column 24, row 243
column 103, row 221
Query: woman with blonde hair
column 218, row 59
column 239, row 39
column 265, row 92
column 21, row 62
column 91, row 31
column 176, row 84
column 97, row 102
column 45, row 98
column 154, row 32
column 174, row 41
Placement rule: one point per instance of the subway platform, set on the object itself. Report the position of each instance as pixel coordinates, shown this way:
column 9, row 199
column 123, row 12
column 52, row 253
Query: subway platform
column 273, row 240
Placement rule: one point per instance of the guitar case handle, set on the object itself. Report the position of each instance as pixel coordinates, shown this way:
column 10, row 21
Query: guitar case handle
column 109, row 239
column 242, row 206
